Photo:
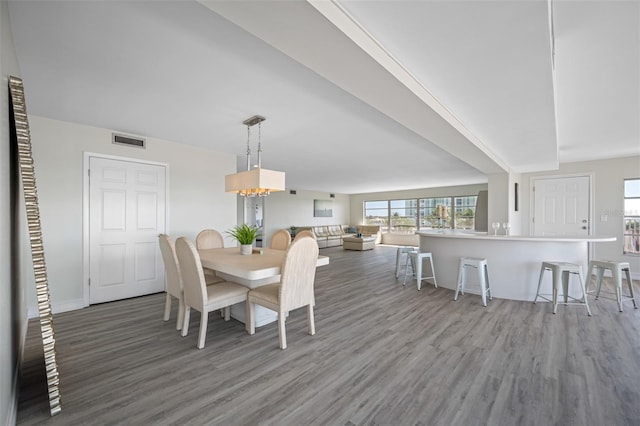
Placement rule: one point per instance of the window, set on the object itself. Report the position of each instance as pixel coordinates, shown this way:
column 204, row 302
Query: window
column 631, row 218
column 404, row 216
column 376, row 213
column 435, row 212
column 407, row 216
column 465, row 212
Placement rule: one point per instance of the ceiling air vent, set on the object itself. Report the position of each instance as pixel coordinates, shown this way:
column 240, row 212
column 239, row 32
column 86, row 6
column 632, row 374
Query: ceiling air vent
column 129, row 141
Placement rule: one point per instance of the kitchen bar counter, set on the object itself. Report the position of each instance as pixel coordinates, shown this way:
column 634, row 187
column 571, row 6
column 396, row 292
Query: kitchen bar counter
column 513, row 261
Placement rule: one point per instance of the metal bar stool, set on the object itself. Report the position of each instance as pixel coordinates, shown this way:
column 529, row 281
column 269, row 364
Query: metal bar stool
column 400, row 252
column 417, row 258
column 616, row 269
column 483, row 276
column 560, row 272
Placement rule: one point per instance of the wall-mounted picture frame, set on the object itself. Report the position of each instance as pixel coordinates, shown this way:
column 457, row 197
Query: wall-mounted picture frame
column 322, row 208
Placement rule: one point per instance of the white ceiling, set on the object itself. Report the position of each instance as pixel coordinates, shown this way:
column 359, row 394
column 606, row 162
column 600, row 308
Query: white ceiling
column 359, row 96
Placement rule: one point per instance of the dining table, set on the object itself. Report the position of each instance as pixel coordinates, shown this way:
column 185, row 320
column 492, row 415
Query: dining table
column 254, row 270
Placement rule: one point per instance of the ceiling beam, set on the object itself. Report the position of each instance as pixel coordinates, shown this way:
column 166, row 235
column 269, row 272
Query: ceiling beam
column 322, row 37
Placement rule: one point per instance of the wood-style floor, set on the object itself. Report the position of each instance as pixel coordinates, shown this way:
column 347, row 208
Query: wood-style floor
column 382, row 354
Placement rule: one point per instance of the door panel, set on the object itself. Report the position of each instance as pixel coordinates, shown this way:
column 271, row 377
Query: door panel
column 114, row 207
column 145, row 261
column 126, row 214
column 147, row 207
column 111, row 265
column 561, row 206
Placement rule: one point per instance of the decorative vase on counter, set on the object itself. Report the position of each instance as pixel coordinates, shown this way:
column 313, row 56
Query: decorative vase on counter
column 246, row 248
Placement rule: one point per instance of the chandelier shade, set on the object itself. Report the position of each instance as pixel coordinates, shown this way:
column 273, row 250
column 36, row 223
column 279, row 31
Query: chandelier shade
column 257, row 182
column 254, row 181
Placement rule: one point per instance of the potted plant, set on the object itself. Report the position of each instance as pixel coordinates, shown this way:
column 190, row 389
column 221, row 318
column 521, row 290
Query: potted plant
column 245, row 235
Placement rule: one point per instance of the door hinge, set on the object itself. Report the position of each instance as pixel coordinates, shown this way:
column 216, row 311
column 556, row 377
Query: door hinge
column 89, row 281
column 533, row 189
column 89, row 172
column 533, row 220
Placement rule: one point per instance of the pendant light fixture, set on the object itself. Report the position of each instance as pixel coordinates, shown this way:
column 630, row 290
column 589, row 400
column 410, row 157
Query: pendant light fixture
column 255, row 181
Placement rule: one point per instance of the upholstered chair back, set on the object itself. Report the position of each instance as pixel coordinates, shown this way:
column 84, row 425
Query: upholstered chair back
column 168, row 250
column 209, row 239
column 281, row 240
column 193, row 283
column 298, row 274
column 305, row 234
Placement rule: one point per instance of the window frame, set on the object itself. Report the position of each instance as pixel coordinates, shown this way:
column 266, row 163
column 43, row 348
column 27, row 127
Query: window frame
column 630, row 238
column 419, row 205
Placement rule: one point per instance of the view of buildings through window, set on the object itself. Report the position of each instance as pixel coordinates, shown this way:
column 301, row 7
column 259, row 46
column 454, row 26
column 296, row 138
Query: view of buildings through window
column 407, row 216
column 631, row 218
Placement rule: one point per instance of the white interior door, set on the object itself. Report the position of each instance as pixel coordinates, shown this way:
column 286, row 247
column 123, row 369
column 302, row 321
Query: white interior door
column 561, row 206
column 126, row 214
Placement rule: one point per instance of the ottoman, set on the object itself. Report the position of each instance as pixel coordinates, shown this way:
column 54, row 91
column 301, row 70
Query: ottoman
column 359, row 243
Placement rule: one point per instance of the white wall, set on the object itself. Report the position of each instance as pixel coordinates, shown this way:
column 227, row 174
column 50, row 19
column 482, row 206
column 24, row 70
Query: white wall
column 13, row 320
column 608, row 195
column 502, row 202
column 499, row 200
column 515, row 217
column 196, row 197
column 283, row 210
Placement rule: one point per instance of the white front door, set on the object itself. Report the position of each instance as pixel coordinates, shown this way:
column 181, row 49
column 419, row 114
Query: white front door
column 126, row 214
column 561, row 206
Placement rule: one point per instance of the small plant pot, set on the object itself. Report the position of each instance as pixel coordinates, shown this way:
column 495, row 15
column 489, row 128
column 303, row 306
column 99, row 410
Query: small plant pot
column 246, row 248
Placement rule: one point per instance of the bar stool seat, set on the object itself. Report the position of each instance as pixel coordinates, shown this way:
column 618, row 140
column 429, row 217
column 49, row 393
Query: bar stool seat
column 416, row 258
column 480, row 264
column 400, row 252
column 616, row 269
column 560, row 272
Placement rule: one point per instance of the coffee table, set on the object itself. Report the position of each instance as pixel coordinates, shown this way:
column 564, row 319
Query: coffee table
column 359, row 243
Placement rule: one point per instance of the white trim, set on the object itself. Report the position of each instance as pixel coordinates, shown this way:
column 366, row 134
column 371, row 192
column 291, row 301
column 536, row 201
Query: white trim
column 12, row 412
column 58, row 308
column 85, row 215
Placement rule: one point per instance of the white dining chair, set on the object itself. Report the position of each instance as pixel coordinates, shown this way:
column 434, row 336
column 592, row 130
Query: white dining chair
column 295, row 289
column 210, row 239
column 305, row 234
column 280, row 240
column 199, row 296
column 174, row 281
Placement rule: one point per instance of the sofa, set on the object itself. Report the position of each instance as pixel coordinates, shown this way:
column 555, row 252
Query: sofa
column 332, row 235
column 327, row 236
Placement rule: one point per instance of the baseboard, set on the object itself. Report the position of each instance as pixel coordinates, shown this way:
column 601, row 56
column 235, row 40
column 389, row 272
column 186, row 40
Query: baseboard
column 56, row 308
column 12, row 412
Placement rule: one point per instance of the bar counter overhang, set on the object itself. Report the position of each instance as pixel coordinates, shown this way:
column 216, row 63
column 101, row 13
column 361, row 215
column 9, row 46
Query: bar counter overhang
column 513, row 261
